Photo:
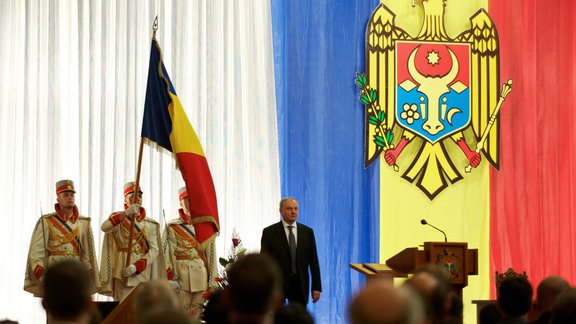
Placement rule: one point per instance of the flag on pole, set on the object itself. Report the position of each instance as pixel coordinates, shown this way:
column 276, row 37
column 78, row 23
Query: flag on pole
column 165, row 125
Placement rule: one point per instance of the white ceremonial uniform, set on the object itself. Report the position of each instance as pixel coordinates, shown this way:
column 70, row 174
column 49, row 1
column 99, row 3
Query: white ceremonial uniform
column 195, row 269
column 144, row 254
column 56, row 238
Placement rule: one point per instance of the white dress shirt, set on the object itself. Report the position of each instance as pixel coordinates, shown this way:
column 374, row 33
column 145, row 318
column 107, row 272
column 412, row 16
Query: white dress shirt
column 287, row 231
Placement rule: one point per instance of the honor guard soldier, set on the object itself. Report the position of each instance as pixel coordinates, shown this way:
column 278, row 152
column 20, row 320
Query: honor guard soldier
column 146, row 261
column 191, row 268
column 61, row 235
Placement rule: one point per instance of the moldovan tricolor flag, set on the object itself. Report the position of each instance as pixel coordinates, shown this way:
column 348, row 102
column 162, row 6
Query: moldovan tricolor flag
column 165, row 124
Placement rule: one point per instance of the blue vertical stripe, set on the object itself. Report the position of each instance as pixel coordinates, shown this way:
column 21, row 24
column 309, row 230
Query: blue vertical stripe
column 157, row 123
column 318, row 48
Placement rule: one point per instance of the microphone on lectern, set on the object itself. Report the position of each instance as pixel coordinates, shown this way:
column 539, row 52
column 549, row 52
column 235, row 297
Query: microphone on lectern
column 424, row 222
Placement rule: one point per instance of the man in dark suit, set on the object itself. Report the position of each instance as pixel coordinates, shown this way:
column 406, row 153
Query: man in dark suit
column 293, row 246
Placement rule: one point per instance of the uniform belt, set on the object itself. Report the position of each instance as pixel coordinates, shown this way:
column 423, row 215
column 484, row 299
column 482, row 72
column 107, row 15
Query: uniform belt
column 67, row 253
column 186, row 257
column 136, row 250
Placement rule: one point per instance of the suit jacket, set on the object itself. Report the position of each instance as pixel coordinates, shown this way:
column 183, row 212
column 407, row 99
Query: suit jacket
column 275, row 243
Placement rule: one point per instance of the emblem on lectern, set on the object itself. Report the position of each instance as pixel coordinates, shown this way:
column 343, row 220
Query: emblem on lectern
column 449, row 260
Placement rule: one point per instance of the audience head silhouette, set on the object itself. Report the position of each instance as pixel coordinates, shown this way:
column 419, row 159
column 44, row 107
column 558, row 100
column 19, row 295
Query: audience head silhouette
column 217, row 308
column 255, row 285
column 382, row 303
column 166, row 315
column 293, row 313
column 490, row 314
column 548, row 291
column 564, row 310
column 432, row 283
column 515, row 296
column 154, row 296
column 67, row 292
column 546, row 294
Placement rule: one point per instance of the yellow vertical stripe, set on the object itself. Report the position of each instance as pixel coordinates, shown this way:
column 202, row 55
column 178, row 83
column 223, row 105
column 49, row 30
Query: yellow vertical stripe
column 183, row 137
column 463, row 209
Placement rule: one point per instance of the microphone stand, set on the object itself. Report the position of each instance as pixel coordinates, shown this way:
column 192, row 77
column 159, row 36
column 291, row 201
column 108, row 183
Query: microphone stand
column 424, row 222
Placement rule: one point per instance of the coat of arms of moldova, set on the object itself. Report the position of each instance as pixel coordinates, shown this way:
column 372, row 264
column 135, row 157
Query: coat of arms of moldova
column 436, row 94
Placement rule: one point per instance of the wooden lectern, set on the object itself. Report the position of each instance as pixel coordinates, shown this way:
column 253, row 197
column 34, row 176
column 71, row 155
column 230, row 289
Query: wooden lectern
column 375, row 271
column 460, row 262
column 123, row 312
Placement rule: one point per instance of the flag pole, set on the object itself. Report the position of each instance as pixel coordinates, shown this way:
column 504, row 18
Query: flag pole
column 137, row 181
column 133, row 218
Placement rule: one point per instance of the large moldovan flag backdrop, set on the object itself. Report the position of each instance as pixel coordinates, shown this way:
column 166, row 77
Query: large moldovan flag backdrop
column 521, row 216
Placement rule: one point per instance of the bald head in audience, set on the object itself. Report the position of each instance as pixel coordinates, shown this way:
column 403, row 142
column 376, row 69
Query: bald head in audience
column 548, row 291
column 432, row 283
column 155, row 295
column 546, row 294
column 166, row 315
column 382, row 303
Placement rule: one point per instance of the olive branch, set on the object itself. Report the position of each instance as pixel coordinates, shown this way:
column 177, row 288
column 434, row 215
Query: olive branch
column 377, row 116
column 384, row 136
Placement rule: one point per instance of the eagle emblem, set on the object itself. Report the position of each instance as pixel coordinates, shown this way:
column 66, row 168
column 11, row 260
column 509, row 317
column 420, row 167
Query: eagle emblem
column 438, row 95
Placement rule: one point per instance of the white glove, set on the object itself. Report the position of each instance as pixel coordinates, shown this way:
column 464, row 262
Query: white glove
column 129, row 270
column 174, row 285
column 133, row 209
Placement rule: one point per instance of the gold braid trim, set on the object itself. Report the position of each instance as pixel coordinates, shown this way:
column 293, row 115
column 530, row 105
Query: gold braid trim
column 62, row 239
column 188, row 243
column 139, row 237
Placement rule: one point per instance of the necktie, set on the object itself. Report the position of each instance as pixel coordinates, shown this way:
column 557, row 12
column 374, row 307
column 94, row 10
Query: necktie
column 292, row 244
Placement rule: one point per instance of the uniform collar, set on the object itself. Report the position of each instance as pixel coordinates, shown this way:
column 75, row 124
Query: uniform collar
column 65, row 217
column 183, row 217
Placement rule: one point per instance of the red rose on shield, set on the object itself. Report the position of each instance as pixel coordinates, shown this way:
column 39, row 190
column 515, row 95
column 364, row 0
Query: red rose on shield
column 235, row 241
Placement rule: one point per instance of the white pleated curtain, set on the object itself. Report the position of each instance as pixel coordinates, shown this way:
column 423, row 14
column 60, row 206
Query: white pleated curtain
column 73, row 81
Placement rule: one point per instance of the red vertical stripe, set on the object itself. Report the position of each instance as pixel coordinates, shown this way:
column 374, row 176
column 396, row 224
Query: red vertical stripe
column 202, row 195
column 533, row 198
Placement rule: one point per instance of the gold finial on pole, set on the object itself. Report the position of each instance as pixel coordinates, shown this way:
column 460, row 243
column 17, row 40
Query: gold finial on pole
column 155, row 27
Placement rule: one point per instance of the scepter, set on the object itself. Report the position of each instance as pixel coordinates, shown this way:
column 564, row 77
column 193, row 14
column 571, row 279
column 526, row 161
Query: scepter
column 506, row 89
